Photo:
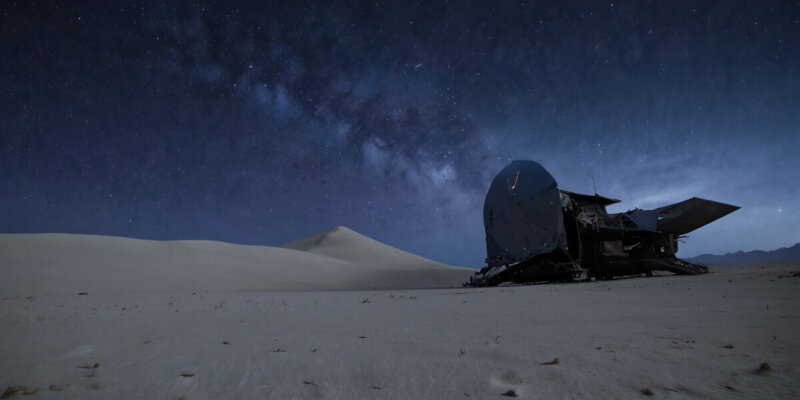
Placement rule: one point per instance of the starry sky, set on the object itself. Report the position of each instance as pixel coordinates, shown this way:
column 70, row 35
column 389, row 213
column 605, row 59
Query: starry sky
column 259, row 123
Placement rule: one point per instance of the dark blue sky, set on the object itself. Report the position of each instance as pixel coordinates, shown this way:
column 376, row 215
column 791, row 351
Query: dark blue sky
column 261, row 124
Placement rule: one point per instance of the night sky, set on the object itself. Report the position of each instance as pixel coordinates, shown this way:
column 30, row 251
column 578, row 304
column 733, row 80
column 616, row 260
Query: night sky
column 260, row 124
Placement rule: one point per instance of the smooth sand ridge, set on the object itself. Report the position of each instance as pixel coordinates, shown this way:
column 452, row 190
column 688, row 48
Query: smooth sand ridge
column 39, row 264
column 344, row 244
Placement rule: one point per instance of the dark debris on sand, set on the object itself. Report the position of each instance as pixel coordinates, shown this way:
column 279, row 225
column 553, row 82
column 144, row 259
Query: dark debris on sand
column 15, row 390
column 764, row 368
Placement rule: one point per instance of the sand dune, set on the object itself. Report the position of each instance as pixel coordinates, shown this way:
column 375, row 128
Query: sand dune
column 209, row 320
column 344, row 244
column 338, row 259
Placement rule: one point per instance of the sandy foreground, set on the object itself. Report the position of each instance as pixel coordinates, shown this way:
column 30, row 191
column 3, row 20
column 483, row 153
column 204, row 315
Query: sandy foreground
column 76, row 322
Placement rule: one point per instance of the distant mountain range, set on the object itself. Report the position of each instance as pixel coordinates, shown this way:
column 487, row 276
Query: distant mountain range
column 748, row 257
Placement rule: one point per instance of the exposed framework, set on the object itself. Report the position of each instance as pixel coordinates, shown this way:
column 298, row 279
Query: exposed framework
column 536, row 232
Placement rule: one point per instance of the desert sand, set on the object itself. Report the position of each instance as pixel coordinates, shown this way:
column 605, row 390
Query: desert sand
column 336, row 259
column 338, row 315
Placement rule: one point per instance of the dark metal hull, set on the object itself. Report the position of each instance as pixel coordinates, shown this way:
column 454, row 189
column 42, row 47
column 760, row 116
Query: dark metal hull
column 535, row 232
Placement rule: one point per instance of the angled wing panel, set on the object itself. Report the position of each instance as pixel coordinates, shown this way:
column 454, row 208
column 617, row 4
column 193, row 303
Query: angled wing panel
column 688, row 215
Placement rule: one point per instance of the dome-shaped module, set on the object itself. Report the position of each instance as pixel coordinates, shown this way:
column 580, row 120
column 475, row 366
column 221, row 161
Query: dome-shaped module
column 522, row 214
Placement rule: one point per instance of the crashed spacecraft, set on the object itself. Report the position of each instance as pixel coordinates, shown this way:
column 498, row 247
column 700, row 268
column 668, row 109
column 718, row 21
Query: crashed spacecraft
column 536, row 232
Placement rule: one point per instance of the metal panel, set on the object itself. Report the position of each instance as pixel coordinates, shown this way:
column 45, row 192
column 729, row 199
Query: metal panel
column 522, row 214
column 644, row 219
column 691, row 214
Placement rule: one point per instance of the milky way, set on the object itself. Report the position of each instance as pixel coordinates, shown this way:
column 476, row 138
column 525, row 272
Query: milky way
column 260, row 124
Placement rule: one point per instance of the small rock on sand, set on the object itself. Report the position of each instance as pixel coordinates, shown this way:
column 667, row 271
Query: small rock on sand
column 98, row 386
column 764, row 368
column 15, row 390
